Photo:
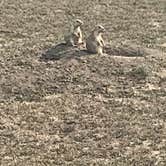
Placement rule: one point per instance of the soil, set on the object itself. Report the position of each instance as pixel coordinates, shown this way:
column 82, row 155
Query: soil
column 79, row 108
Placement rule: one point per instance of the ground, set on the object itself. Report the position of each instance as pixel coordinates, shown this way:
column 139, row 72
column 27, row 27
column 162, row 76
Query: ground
column 83, row 110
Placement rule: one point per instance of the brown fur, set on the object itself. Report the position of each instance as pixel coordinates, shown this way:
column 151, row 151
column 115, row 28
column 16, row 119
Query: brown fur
column 76, row 37
column 95, row 42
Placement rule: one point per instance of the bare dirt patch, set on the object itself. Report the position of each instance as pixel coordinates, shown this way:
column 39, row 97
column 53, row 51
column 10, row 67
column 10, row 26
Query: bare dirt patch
column 82, row 110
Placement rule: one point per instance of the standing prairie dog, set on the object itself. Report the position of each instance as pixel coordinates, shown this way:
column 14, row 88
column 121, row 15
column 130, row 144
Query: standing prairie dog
column 75, row 38
column 95, row 42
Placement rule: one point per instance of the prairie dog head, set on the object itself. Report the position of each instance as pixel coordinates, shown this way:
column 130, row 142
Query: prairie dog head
column 78, row 23
column 99, row 29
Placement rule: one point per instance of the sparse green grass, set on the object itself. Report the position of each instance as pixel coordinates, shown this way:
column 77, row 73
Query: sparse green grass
column 140, row 72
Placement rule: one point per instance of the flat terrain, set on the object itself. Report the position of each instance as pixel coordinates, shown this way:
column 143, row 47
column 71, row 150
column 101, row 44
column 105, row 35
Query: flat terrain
column 84, row 110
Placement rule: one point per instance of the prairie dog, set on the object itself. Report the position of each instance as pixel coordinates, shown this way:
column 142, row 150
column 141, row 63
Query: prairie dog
column 75, row 38
column 95, row 42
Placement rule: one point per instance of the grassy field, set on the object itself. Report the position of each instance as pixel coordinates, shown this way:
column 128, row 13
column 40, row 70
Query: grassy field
column 84, row 110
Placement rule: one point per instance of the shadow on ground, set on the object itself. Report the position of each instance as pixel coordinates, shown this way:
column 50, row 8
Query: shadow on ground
column 130, row 50
column 61, row 51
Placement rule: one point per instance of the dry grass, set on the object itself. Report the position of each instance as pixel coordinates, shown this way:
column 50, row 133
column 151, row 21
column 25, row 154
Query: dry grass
column 82, row 110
